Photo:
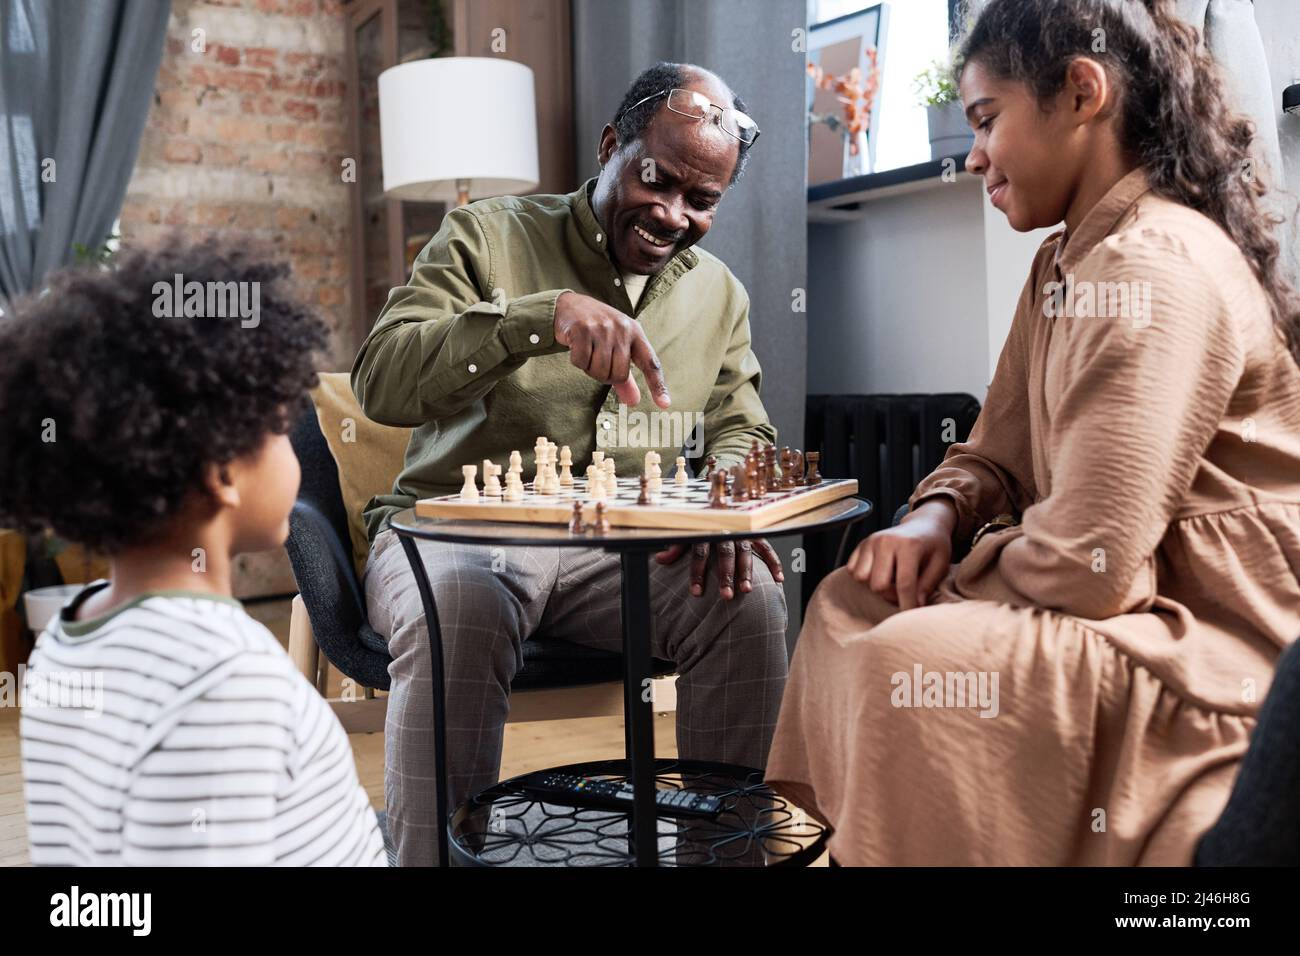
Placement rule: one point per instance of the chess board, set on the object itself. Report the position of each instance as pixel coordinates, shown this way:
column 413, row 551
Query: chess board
column 685, row 507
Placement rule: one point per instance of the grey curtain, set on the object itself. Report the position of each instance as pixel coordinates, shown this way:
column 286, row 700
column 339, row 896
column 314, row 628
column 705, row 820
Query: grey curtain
column 76, row 84
column 1232, row 37
column 761, row 228
column 760, row 231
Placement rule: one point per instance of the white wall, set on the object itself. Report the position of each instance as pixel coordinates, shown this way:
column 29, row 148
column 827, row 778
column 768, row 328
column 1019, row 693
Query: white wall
column 917, row 295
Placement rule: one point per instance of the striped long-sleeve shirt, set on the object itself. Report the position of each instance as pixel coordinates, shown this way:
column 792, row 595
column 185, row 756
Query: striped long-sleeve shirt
column 175, row 731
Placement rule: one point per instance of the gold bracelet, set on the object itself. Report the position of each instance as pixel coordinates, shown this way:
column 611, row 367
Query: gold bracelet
column 999, row 523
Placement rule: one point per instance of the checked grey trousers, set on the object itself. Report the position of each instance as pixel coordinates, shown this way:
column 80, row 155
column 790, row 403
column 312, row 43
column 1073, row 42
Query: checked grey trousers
column 730, row 658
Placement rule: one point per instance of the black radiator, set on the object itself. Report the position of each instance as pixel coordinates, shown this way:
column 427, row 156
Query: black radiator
column 887, row 442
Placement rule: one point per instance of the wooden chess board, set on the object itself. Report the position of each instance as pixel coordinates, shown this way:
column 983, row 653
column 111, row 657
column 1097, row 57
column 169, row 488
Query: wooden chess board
column 675, row 507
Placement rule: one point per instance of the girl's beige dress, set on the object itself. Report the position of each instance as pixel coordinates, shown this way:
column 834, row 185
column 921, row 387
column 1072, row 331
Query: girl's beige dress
column 1149, row 437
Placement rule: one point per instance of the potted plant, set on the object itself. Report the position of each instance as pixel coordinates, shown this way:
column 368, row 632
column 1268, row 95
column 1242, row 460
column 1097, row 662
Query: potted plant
column 856, row 93
column 950, row 134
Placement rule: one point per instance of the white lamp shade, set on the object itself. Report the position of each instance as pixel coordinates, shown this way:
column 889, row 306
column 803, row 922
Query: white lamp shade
column 451, row 118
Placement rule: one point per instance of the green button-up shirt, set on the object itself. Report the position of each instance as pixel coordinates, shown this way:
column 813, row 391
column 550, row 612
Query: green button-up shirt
column 465, row 352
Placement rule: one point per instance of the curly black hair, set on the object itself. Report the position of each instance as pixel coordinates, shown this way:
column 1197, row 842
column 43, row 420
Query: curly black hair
column 113, row 409
column 1176, row 117
column 665, row 76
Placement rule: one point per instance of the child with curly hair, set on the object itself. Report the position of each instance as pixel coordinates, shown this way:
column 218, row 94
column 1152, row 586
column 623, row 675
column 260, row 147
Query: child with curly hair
column 153, row 428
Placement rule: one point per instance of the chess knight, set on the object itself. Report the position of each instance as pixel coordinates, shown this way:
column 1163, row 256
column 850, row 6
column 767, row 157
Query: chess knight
column 571, row 316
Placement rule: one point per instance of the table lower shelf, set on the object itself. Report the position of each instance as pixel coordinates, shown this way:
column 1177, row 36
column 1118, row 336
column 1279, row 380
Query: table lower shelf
column 503, row 826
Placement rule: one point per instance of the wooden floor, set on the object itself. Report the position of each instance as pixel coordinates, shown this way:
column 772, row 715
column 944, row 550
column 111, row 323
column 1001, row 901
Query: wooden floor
column 528, row 746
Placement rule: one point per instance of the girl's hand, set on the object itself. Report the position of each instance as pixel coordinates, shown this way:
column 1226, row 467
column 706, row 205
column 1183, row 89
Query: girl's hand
column 905, row 564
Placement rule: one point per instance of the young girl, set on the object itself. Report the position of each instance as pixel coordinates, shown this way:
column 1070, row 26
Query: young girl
column 162, row 725
column 1081, row 687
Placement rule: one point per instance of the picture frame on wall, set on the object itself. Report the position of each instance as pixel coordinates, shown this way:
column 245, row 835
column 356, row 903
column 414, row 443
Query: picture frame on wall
column 836, row 46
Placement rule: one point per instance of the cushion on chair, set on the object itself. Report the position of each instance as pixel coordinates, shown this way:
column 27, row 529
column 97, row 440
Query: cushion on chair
column 369, row 455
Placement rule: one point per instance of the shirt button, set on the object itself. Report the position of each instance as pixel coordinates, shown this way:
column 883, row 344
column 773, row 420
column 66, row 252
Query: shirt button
column 473, row 368
column 599, row 237
column 605, row 424
column 617, row 281
column 534, row 338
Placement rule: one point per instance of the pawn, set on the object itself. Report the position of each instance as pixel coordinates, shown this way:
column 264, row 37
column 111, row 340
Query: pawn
column 611, row 479
column 679, row 477
column 644, row 497
column 709, row 463
column 514, row 487
column 595, row 483
column 602, row 523
column 469, row 491
column 575, row 523
column 718, row 489
column 566, row 467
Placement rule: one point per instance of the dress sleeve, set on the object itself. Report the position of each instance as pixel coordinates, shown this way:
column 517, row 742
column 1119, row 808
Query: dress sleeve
column 1140, row 395
column 991, row 473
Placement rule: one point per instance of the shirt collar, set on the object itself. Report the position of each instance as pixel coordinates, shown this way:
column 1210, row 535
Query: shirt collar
column 593, row 233
column 1101, row 219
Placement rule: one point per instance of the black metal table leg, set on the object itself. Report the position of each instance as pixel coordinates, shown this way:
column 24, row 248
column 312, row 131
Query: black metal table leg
column 638, row 712
column 439, row 690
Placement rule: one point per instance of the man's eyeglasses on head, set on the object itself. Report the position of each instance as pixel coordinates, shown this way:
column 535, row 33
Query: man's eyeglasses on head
column 691, row 103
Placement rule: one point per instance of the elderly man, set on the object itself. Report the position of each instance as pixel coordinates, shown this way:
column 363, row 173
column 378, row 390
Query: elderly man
column 535, row 315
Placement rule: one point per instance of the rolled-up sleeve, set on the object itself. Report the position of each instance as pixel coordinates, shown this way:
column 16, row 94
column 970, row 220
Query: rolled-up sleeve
column 1141, row 398
column 448, row 336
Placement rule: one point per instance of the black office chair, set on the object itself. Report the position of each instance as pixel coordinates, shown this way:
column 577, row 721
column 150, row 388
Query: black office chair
column 320, row 552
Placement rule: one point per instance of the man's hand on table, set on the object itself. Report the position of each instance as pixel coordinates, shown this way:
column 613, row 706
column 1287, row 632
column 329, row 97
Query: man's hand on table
column 732, row 562
column 605, row 343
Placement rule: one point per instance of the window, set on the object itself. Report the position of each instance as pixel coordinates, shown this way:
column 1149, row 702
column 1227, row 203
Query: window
column 917, row 35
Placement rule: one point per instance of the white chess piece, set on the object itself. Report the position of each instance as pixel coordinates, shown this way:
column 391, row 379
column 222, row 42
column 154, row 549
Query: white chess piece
column 680, row 479
column 491, row 480
column 656, row 474
column 552, row 476
column 516, row 464
column 611, row 479
column 566, row 467
column 595, row 483
column 539, row 459
column 514, row 487
column 469, row 492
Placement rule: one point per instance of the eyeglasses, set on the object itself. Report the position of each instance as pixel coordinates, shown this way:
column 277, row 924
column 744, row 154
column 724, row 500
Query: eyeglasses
column 698, row 106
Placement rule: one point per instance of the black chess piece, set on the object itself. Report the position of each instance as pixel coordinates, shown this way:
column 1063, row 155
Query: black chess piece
column 718, row 489
column 796, row 468
column 813, row 477
column 602, row 523
column 644, row 497
column 738, row 492
column 575, row 523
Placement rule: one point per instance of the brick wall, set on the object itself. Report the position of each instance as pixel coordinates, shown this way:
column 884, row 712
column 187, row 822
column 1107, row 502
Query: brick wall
column 246, row 138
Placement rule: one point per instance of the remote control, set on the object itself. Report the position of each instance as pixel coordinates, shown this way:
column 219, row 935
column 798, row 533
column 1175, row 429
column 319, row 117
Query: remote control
column 569, row 789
